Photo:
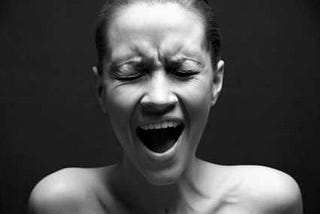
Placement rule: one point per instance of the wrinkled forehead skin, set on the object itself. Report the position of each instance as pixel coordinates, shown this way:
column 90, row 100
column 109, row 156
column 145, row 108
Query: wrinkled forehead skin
column 155, row 29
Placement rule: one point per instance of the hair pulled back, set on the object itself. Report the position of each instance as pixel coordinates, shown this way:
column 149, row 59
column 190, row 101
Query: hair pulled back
column 201, row 7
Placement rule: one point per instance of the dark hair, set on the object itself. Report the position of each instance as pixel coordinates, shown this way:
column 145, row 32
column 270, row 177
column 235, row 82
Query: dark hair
column 201, row 7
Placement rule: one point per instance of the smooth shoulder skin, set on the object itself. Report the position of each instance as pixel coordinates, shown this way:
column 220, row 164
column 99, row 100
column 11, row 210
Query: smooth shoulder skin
column 239, row 189
column 265, row 190
column 71, row 190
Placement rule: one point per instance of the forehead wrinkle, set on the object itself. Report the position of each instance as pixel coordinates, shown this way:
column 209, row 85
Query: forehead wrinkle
column 149, row 54
column 127, row 40
column 167, row 51
column 144, row 49
column 180, row 51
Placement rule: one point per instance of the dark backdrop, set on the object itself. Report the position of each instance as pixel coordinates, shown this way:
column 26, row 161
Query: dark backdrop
column 268, row 112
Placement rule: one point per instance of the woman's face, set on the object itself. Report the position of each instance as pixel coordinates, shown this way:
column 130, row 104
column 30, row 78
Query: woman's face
column 158, row 87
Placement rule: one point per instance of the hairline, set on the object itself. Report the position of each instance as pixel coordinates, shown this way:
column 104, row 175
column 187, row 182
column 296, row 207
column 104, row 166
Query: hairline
column 105, row 24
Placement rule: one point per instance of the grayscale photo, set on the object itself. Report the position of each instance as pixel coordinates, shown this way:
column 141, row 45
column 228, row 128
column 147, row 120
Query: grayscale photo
column 159, row 107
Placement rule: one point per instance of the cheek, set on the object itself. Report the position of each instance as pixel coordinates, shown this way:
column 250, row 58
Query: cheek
column 119, row 100
column 197, row 98
column 197, row 104
column 120, row 105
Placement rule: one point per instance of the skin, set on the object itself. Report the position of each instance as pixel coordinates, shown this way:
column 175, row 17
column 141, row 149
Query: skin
column 175, row 181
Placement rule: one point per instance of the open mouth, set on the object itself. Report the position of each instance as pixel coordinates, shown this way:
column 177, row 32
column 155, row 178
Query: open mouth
column 160, row 137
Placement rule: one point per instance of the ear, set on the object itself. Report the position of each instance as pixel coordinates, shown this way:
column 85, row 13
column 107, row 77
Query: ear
column 100, row 88
column 217, row 82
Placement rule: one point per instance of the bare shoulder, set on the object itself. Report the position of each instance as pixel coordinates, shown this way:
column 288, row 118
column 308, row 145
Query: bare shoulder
column 253, row 189
column 269, row 190
column 70, row 190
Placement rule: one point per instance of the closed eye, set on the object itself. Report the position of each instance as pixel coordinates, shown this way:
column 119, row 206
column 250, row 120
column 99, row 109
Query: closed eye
column 184, row 73
column 128, row 72
column 126, row 77
column 183, row 69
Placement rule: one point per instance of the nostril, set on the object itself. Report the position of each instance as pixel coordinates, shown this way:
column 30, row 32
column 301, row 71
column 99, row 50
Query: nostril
column 156, row 108
column 158, row 97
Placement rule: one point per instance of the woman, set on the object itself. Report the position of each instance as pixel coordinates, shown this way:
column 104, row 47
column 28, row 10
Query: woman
column 159, row 72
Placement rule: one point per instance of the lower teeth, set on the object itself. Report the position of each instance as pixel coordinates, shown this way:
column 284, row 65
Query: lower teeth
column 160, row 140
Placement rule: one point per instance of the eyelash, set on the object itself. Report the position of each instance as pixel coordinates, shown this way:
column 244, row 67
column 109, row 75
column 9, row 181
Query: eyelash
column 127, row 74
column 140, row 72
column 127, row 77
column 184, row 73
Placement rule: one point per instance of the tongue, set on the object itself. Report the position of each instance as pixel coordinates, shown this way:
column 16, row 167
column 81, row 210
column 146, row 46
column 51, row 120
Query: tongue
column 159, row 140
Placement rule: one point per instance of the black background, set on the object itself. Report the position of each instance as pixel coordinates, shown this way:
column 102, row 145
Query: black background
column 268, row 112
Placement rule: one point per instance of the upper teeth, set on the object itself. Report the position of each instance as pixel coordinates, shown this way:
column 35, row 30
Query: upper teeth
column 161, row 125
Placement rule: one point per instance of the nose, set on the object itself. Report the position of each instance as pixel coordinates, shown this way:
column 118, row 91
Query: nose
column 159, row 97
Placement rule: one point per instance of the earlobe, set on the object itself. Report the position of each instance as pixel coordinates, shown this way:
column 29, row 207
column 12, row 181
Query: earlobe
column 98, row 80
column 99, row 88
column 217, row 82
column 95, row 71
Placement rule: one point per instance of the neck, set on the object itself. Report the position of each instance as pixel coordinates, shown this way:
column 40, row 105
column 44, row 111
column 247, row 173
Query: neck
column 137, row 192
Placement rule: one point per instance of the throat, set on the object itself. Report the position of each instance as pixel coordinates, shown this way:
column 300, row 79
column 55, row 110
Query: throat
column 160, row 140
column 144, row 197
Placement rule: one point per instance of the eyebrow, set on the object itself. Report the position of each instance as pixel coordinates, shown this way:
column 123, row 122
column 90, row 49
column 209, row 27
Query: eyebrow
column 118, row 61
column 186, row 54
column 148, row 61
column 140, row 54
column 179, row 52
column 182, row 59
column 139, row 63
column 136, row 54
